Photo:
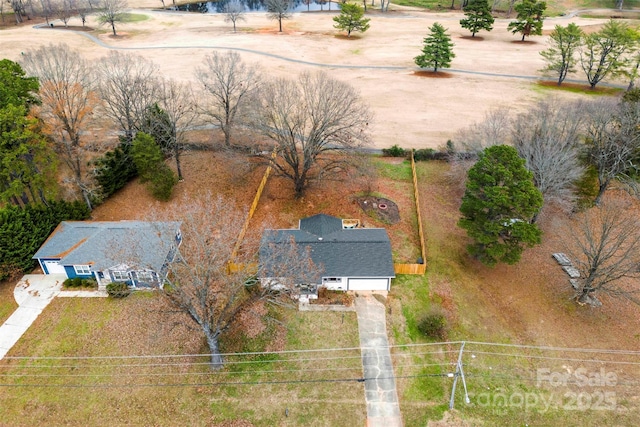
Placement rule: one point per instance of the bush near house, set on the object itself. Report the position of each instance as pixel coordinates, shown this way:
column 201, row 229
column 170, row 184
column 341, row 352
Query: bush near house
column 118, row 290
column 78, row 282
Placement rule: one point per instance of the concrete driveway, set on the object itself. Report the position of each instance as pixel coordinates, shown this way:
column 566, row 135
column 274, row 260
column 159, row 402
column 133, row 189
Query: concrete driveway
column 33, row 293
column 383, row 409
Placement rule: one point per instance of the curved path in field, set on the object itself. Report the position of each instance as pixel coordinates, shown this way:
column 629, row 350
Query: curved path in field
column 102, row 44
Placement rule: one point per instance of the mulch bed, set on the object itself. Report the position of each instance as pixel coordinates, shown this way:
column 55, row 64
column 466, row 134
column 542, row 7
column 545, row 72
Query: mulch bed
column 380, row 208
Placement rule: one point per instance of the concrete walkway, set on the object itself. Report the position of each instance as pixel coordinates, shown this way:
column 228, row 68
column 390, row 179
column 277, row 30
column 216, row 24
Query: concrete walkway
column 383, row 409
column 33, row 293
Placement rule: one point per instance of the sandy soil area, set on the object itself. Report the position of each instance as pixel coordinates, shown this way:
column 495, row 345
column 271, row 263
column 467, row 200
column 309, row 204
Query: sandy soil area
column 410, row 110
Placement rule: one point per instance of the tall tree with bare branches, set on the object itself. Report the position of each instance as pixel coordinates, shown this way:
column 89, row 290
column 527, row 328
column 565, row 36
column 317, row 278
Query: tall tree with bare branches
column 549, row 138
column 229, row 84
column 67, row 92
column 177, row 107
column 278, row 10
column 606, row 251
column 233, row 12
column 612, row 140
column 204, row 285
column 315, row 123
column 128, row 87
column 112, row 12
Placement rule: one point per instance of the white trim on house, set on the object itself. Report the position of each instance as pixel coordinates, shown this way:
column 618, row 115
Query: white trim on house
column 84, row 270
column 53, row 267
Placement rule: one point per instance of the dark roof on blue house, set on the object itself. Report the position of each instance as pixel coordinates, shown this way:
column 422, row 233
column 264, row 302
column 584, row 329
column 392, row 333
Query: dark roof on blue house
column 342, row 252
column 106, row 244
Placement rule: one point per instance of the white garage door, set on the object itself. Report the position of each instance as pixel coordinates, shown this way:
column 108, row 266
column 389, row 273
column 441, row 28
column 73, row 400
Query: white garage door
column 368, row 284
column 53, row 267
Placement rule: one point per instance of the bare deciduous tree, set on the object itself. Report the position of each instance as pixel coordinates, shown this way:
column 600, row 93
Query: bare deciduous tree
column 176, row 100
column 112, row 12
column 612, row 140
column 67, row 91
column 233, row 12
column 312, row 121
column 229, row 84
column 64, row 10
column 548, row 137
column 278, row 10
column 607, row 250
column 128, row 86
column 204, row 285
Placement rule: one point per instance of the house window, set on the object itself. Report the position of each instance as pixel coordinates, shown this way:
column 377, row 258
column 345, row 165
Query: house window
column 83, row 270
column 120, row 276
column 332, row 280
column 145, row 276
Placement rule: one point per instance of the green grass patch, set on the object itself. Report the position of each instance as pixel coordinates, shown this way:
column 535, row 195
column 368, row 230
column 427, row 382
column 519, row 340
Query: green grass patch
column 394, row 171
column 426, row 4
column 134, row 17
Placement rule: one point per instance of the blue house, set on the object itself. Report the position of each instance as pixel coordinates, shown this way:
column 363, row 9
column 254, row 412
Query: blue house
column 135, row 252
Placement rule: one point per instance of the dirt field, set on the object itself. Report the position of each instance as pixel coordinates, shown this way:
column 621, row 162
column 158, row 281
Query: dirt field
column 410, row 110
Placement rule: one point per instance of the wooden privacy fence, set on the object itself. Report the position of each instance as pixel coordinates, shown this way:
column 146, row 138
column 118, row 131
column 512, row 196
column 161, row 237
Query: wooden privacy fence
column 233, row 267
column 415, row 268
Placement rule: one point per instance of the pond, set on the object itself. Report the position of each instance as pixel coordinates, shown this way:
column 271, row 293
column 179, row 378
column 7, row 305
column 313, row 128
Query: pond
column 257, row 6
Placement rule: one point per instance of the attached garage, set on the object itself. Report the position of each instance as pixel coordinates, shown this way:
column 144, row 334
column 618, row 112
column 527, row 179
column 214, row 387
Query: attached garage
column 368, row 285
column 53, row 267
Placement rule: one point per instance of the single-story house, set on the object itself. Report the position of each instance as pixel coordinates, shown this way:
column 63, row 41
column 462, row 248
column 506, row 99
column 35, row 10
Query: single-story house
column 135, row 252
column 351, row 258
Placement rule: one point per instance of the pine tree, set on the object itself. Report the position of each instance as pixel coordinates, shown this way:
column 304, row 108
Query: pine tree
column 498, row 206
column 478, row 17
column 529, row 19
column 437, row 51
column 351, row 18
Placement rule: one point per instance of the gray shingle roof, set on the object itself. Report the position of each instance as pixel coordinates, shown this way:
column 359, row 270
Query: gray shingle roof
column 358, row 252
column 105, row 244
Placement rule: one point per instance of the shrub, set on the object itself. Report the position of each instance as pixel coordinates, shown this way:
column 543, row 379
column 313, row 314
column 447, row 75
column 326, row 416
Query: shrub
column 429, row 154
column 24, row 230
column 78, row 282
column 118, row 290
column 162, row 182
column 434, row 325
column 394, row 151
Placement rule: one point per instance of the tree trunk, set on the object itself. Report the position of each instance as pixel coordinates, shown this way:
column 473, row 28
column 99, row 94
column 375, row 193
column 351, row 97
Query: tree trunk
column 280, row 23
column 177, row 156
column 113, row 27
column 214, row 348
column 601, row 190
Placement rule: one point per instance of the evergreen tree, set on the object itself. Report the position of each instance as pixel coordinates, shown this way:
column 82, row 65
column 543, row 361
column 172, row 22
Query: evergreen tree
column 560, row 56
column 529, row 19
column 157, row 124
column 23, row 231
column 15, row 87
column 437, row 51
column 114, row 169
column 351, row 18
column 149, row 161
column 498, row 206
column 478, row 17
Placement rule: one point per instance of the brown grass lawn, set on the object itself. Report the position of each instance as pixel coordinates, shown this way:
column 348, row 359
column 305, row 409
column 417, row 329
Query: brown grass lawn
column 7, row 303
column 529, row 303
column 176, row 390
